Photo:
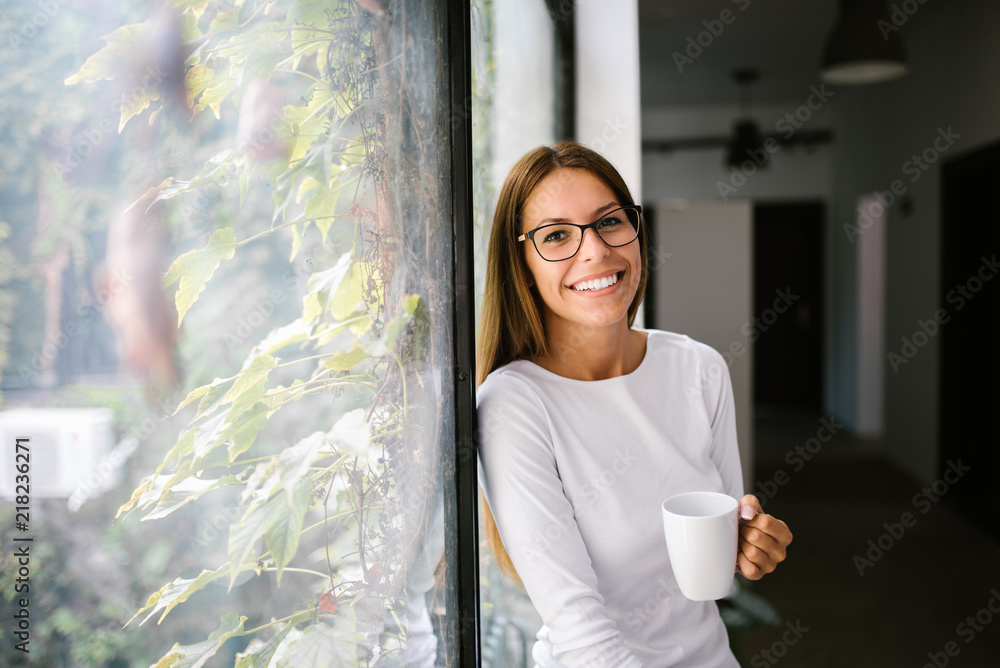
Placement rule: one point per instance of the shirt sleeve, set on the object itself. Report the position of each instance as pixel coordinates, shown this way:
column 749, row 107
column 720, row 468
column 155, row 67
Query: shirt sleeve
column 721, row 409
column 520, row 478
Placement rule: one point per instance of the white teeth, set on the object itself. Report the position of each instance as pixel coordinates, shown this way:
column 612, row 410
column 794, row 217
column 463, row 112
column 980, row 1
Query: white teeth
column 596, row 284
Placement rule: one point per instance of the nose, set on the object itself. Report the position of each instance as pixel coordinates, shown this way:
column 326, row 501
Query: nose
column 592, row 247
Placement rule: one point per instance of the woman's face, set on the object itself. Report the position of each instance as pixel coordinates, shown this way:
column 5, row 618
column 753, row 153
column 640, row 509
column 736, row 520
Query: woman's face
column 578, row 196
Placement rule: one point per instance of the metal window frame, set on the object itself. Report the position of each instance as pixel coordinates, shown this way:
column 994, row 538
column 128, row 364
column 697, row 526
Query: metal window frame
column 463, row 622
column 462, row 625
column 563, row 14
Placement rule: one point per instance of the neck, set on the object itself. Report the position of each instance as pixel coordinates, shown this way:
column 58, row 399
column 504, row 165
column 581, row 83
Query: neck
column 592, row 353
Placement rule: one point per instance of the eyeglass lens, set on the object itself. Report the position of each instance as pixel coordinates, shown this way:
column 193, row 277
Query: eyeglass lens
column 559, row 242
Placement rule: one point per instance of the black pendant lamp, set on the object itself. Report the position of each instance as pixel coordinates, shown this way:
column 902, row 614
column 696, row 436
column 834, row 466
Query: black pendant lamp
column 746, row 140
column 860, row 48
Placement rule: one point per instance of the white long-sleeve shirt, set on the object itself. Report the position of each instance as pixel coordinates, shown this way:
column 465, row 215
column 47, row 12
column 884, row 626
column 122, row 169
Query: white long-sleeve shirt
column 575, row 473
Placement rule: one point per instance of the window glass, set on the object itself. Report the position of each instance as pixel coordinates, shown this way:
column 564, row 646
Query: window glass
column 225, row 330
column 514, row 110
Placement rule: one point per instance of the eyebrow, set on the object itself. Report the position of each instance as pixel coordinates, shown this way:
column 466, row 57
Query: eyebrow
column 598, row 212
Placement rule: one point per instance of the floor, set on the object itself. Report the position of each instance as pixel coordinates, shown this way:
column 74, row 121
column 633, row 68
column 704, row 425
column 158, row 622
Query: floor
column 924, row 592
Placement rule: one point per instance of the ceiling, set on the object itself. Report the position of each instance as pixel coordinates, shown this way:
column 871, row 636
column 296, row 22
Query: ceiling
column 782, row 39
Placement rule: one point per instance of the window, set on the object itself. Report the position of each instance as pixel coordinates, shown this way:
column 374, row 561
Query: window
column 265, row 206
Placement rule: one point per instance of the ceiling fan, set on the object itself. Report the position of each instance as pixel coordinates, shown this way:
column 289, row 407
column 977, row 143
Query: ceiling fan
column 746, row 142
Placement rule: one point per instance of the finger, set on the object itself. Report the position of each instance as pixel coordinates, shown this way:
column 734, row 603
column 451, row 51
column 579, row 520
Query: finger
column 747, row 568
column 749, row 507
column 772, row 526
column 761, row 548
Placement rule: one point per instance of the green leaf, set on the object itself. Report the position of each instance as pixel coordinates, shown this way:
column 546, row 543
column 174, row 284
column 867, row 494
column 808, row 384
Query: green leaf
column 226, row 20
column 134, row 101
column 352, row 432
column 303, row 15
column 294, row 332
column 208, row 434
column 345, row 361
column 117, row 56
column 321, row 207
column 266, row 54
column 395, row 326
column 138, row 493
column 296, row 241
column 282, row 538
column 182, row 448
column 249, row 386
column 278, row 521
column 321, row 645
column 213, row 97
column 174, row 593
column 186, row 491
column 242, row 431
column 258, row 653
column 195, row 656
column 207, row 394
column 194, row 268
column 189, row 20
column 326, row 283
column 296, row 460
column 348, row 298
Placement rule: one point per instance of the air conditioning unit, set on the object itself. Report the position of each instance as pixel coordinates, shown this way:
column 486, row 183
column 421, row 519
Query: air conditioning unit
column 65, row 445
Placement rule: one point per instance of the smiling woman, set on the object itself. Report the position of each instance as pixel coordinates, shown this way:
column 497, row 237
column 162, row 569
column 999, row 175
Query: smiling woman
column 591, row 423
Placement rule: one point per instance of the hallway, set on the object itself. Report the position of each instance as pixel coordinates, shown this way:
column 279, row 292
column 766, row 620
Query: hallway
column 918, row 594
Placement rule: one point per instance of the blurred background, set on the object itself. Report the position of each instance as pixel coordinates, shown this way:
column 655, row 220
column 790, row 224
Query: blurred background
column 819, row 179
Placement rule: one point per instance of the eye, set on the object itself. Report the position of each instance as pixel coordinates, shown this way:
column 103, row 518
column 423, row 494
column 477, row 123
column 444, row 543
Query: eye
column 610, row 223
column 554, row 235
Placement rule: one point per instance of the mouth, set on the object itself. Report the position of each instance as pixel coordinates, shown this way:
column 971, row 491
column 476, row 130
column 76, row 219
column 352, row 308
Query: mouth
column 597, row 283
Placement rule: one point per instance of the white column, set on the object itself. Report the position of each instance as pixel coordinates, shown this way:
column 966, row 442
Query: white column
column 607, row 84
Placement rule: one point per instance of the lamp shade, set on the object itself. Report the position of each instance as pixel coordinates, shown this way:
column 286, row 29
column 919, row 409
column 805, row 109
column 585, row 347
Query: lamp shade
column 746, row 143
column 858, row 50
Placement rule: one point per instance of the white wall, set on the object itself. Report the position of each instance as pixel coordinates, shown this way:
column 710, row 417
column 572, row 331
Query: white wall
column 794, row 172
column 870, row 337
column 952, row 83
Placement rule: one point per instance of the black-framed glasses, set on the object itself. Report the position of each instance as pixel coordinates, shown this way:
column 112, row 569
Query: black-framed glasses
column 561, row 241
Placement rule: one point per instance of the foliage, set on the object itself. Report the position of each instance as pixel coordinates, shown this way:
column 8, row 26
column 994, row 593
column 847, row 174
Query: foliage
column 342, row 508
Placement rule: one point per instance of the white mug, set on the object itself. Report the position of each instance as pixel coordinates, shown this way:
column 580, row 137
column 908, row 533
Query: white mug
column 702, row 530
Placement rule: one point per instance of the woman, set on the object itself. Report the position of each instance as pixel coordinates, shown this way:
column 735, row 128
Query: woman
column 588, row 424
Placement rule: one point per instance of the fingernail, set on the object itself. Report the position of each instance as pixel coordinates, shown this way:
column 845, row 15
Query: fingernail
column 747, row 512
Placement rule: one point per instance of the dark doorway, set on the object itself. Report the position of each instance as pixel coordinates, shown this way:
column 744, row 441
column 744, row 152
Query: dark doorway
column 970, row 367
column 788, row 307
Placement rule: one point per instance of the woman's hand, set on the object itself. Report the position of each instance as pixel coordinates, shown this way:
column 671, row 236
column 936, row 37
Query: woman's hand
column 763, row 540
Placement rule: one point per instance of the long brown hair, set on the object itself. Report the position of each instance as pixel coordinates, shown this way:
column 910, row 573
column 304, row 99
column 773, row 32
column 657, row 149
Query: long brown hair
column 511, row 325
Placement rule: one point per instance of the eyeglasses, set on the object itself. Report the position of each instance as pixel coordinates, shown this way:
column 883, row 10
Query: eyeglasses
column 561, row 241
